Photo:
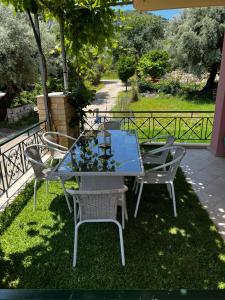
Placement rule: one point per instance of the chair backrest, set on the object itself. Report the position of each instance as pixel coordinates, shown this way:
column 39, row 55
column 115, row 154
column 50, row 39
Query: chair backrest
column 178, row 153
column 111, row 125
column 32, row 154
column 169, row 142
column 99, row 204
column 52, row 139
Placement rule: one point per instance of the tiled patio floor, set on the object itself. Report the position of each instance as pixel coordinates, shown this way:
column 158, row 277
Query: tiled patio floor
column 206, row 173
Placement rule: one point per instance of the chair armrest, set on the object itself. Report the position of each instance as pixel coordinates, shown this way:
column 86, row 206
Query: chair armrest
column 167, row 164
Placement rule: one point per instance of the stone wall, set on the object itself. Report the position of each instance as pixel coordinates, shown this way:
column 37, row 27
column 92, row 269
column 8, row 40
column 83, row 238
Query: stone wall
column 16, row 113
column 61, row 112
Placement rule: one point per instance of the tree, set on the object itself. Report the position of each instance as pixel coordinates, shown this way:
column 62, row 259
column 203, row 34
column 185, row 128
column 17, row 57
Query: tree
column 139, row 33
column 195, row 41
column 18, row 54
column 84, row 22
column 126, row 68
column 154, row 64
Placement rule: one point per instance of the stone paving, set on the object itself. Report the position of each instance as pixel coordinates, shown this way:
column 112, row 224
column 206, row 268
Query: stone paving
column 206, row 173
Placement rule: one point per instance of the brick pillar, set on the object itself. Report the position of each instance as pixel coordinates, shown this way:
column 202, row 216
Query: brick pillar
column 61, row 112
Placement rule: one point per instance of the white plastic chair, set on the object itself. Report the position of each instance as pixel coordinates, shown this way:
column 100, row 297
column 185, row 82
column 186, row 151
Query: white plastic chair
column 97, row 206
column 154, row 157
column 110, row 125
column 163, row 174
column 41, row 171
column 50, row 138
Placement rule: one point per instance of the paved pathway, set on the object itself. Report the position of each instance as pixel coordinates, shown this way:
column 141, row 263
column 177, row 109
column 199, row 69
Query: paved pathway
column 107, row 96
column 105, row 100
column 206, row 173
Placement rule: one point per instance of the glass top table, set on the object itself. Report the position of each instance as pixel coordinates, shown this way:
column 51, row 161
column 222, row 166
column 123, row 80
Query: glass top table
column 103, row 153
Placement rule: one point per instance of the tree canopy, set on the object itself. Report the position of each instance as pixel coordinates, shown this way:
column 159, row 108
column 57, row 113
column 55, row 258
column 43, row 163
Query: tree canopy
column 126, row 68
column 140, row 33
column 195, row 41
column 155, row 64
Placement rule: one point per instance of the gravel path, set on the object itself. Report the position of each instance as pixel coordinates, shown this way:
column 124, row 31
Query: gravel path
column 107, row 96
column 105, row 100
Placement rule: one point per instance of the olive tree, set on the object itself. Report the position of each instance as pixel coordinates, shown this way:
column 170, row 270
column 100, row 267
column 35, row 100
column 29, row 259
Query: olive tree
column 195, row 41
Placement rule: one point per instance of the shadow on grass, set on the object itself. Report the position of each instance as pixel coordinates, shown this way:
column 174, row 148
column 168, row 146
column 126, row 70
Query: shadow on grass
column 162, row 252
column 11, row 212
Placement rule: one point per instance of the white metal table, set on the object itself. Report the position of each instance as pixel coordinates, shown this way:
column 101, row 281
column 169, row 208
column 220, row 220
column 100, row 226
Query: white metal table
column 102, row 160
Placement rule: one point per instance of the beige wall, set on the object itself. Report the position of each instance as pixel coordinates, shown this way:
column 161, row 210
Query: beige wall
column 61, row 113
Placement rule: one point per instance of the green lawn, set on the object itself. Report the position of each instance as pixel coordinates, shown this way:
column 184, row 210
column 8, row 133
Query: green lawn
column 187, row 127
column 110, row 75
column 162, row 252
column 163, row 102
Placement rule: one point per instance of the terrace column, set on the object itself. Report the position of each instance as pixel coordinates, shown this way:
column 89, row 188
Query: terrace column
column 61, row 113
column 218, row 134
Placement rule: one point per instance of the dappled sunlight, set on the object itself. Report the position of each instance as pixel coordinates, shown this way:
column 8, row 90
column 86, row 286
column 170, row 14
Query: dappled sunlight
column 36, row 248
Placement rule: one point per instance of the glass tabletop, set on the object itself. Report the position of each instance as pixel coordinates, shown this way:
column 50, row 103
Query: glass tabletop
column 112, row 152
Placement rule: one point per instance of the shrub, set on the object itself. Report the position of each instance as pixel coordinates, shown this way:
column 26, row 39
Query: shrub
column 146, row 86
column 171, row 86
column 80, row 96
column 27, row 97
column 154, row 63
column 126, row 68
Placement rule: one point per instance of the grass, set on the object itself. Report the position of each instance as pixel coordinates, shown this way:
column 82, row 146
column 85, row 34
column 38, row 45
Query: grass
column 186, row 126
column 164, row 102
column 162, row 252
column 110, row 75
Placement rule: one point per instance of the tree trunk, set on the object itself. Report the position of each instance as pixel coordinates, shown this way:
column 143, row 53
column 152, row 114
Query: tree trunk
column 210, row 82
column 11, row 92
column 43, row 65
column 64, row 63
column 126, row 85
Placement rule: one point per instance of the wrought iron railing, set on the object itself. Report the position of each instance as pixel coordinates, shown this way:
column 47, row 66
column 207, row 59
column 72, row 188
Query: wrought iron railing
column 13, row 164
column 187, row 126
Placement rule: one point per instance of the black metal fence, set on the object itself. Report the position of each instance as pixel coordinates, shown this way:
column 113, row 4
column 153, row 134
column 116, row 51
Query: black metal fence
column 187, row 126
column 13, row 164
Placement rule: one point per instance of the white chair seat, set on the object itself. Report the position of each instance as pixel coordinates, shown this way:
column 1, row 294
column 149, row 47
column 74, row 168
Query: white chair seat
column 41, row 171
column 97, row 206
column 161, row 175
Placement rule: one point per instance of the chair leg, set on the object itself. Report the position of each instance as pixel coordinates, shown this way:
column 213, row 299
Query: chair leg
column 134, row 185
column 75, row 210
column 51, row 161
column 123, row 213
column 66, row 196
column 35, row 193
column 136, row 188
column 169, row 189
column 75, row 245
column 139, row 198
column 121, row 243
column 174, row 200
column 47, row 186
column 125, row 210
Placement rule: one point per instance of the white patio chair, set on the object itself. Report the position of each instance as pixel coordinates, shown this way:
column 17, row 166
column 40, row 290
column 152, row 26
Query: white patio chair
column 163, row 174
column 58, row 151
column 97, row 206
column 110, row 125
column 154, row 157
column 41, row 171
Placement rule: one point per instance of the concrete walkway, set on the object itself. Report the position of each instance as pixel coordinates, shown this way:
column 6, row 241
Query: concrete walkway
column 206, row 173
